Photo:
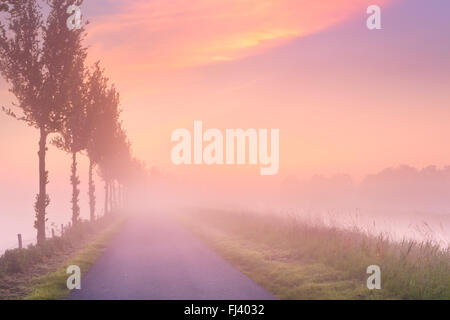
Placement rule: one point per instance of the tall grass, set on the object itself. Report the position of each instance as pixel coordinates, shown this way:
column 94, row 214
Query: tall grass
column 411, row 269
column 18, row 261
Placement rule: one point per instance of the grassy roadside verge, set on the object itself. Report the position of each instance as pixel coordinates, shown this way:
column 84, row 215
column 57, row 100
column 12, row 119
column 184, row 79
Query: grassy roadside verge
column 39, row 272
column 53, row 286
column 294, row 260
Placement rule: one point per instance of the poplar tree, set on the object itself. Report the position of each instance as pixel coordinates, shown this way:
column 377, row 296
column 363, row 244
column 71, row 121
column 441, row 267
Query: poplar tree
column 73, row 135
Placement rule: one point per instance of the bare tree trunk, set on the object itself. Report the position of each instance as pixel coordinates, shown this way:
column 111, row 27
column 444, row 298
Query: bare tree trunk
column 91, row 191
column 115, row 195
column 119, row 190
column 75, row 191
column 42, row 199
column 122, row 192
column 106, row 197
column 111, row 195
column 124, row 196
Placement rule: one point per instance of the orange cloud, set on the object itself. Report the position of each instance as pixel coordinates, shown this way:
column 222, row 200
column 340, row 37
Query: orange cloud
column 182, row 33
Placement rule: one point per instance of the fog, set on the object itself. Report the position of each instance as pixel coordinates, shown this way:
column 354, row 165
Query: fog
column 402, row 202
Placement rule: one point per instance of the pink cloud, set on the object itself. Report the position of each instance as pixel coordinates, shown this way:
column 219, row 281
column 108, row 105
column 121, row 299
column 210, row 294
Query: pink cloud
column 182, row 33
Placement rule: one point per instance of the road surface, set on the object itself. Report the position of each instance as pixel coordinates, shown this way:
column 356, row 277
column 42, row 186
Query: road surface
column 156, row 259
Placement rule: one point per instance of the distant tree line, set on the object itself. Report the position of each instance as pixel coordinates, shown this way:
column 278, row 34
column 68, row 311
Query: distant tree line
column 44, row 64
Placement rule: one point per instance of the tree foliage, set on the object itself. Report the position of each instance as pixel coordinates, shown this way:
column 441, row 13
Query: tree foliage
column 44, row 64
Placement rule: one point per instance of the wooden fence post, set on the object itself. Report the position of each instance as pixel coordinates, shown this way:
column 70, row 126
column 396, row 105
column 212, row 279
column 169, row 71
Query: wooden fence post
column 19, row 236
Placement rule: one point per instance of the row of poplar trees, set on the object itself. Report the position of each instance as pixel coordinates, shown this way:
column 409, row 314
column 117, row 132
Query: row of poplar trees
column 73, row 106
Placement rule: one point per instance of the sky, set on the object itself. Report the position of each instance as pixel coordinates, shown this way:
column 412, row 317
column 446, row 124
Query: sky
column 346, row 99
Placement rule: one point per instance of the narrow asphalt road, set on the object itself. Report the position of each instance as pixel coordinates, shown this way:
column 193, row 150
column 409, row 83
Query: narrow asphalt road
column 156, row 259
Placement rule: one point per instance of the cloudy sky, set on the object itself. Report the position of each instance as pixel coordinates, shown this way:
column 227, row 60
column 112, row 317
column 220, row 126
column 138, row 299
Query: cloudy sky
column 346, row 99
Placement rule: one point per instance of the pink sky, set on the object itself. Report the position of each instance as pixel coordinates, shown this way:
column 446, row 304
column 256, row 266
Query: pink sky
column 165, row 35
column 309, row 68
column 346, row 99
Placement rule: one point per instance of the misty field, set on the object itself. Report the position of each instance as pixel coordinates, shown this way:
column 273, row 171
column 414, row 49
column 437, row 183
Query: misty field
column 295, row 259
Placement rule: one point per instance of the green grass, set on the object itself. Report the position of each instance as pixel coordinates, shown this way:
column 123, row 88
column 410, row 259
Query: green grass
column 297, row 260
column 36, row 272
column 53, row 286
column 20, row 261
